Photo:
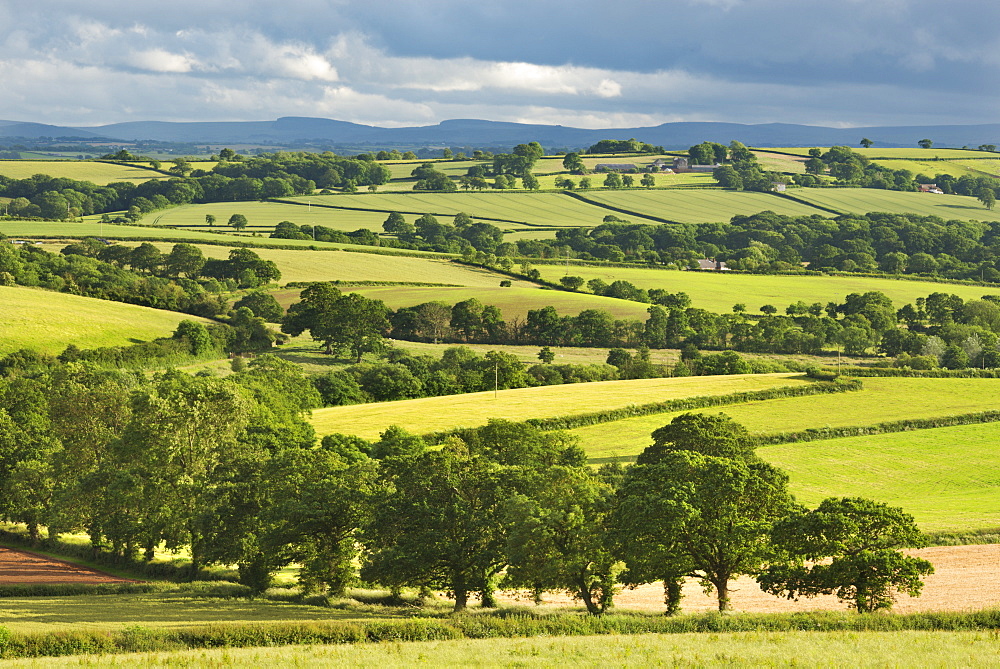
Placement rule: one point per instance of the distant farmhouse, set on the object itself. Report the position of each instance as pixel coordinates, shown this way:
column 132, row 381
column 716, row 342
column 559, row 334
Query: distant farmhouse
column 712, row 265
column 683, row 165
column 930, row 188
column 615, row 167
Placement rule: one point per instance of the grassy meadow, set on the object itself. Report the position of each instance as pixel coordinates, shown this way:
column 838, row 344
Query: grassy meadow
column 82, row 170
column 865, row 200
column 948, row 478
column 898, row 153
column 719, row 291
column 431, row 414
column 263, row 216
column 931, row 168
column 696, row 206
column 728, row 649
column 48, row 321
column 881, row 400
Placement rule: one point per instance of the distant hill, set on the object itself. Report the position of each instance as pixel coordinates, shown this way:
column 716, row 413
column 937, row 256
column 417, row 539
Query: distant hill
column 470, row 132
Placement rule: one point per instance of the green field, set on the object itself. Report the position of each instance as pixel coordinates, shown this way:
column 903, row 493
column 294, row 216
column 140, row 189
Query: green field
column 432, row 414
column 697, row 206
column 948, row 478
column 514, row 302
column 306, row 265
column 901, row 153
column 547, row 209
column 865, row 200
column 881, row 400
column 48, row 321
column 930, row 168
column 719, row 291
column 777, row 162
column 265, row 215
column 730, row 649
column 98, row 173
column 987, row 165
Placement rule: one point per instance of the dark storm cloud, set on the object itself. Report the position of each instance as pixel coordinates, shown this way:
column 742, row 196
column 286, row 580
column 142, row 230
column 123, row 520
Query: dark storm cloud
column 574, row 62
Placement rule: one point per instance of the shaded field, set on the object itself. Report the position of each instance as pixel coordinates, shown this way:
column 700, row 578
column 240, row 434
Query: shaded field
column 48, row 321
column 550, row 209
column 20, row 567
column 698, row 206
column 307, row 265
column 719, row 291
column 948, row 478
column 865, row 200
column 82, row 170
column 513, row 302
column 881, row 400
column 433, row 414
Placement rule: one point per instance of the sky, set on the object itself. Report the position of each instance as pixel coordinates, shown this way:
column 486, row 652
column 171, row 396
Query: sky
column 581, row 63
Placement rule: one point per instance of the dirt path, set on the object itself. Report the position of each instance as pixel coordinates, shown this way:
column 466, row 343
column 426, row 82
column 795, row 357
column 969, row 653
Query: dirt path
column 23, row 568
column 965, row 578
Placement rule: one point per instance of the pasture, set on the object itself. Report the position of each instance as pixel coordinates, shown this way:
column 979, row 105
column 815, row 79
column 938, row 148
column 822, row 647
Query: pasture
column 695, row 206
column 929, row 168
column 431, row 414
column 948, row 478
column 989, row 166
column 544, row 209
column 514, row 302
column 263, row 216
column 82, row 170
column 897, row 153
column 719, row 291
column 881, row 400
column 48, row 321
column 865, row 200
column 776, row 162
column 307, row 265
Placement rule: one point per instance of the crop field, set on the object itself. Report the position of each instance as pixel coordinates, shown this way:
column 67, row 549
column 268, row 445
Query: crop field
column 865, row 200
column 881, row 400
column 764, row 649
column 987, row 165
column 549, row 209
column 307, row 265
column 265, row 215
column 431, row 414
column 48, row 321
column 697, row 206
column 513, row 302
column 719, row 291
column 929, row 168
column 777, row 162
column 948, row 478
column 95, row 172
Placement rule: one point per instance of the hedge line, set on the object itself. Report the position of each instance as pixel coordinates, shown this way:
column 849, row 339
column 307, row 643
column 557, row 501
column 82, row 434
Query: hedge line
column 970, row 373
column 683, row 404
column 815, row 434
column 469, row 626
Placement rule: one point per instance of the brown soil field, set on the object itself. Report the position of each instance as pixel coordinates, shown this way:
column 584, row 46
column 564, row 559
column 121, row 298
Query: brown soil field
column 964, row 579
column 23, row 568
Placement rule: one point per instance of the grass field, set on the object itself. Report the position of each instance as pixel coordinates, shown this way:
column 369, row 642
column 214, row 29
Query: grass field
column 307, row 265
column 929, row 168
column 548, row 209
column 697, row 206
column 95, row 172
column 881, row 400
column 48, row 321
column 719, row 291
column 264, row 216
column 948, row 478
column 432, row 414
column 777, row 162
column 514, row 302
column 901, row 153
column 865, row 200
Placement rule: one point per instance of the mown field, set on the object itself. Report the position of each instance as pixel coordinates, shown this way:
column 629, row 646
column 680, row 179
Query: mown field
column 865, row 200
column 432, row 414
column 48, row 321
column 95, row 172
column 730, row 649
column 948, row 478
column 546, row 209
column 696, row 206
column 514, row 302
column 307, row 265
column 881, row 400
column 719, row 291
column 777, row 162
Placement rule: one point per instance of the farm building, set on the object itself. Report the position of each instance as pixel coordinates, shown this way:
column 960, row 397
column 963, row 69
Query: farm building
column 615, row 167
column 778, row 188
column 660, row 165
column 930, row 188
column 713, row 265
column 683, row 165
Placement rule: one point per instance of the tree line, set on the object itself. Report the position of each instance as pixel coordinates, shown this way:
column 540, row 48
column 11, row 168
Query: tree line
column 229, row 469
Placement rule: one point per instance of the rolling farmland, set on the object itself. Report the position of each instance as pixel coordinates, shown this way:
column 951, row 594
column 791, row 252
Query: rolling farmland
column 865, row 200
column 719, row 291
column 264, row 215
column 48, row 321
column 696, row 206
column 432, row 414
column 95, row 172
